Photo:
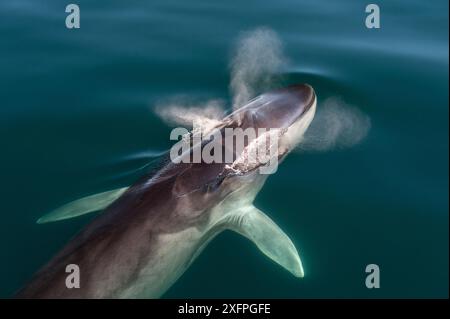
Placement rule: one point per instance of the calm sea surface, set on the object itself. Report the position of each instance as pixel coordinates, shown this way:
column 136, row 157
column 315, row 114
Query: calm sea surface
column 76, row 118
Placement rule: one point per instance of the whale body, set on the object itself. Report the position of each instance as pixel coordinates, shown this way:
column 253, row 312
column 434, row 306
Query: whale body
column 149, row 233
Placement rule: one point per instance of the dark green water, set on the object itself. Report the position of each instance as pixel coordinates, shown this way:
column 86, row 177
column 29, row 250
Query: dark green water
column 76, row 105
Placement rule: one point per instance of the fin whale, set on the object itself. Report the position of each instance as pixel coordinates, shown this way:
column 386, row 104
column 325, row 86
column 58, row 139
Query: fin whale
column 149, row 233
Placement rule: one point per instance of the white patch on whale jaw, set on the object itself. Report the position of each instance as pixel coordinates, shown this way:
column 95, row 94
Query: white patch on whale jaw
column 296, row 131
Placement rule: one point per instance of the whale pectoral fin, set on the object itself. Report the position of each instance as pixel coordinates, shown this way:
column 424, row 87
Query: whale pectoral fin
column 83, row 206
column 269, row 238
